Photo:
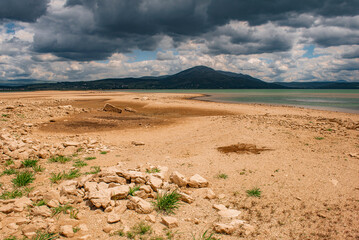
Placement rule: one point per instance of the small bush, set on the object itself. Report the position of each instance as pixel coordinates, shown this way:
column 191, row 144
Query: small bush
column 29, row 163
column 23, row 179
column 90, row 158
column 60, row 159
column 103, row 152
column 167, row 202
column 254, row 192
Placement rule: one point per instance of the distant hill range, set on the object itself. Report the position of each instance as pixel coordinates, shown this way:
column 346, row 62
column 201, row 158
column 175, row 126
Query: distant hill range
column 199, row 77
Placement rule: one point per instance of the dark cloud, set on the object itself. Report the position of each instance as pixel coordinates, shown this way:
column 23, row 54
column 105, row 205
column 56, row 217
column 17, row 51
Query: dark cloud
column 22, row 10
column 95, row 29
column 353, row 54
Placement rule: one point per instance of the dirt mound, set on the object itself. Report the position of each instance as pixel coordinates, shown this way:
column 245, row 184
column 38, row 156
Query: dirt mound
column 242, row 148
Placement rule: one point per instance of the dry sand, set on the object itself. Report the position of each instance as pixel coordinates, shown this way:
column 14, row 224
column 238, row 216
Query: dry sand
column 309, row 177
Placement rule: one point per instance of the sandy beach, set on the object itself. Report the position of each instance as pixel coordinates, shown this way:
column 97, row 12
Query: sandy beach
column 308, row 175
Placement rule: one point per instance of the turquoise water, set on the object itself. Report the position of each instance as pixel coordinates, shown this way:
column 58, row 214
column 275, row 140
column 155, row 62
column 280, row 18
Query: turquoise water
column 335, row 100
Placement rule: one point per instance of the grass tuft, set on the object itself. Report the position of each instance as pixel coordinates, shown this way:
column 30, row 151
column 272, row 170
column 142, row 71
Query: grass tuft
column 65, row 209
column 205, row 237
column 9, row 171
column 167, row 202
column 38, row 168
column 90, row 158
column 222, row 175
column 103, row 152
column 153, row 170
column 254, row 192
column 60, row 159
column 23, row 179
column 79, row 164
column 95, row 170
column 319, row 138
column 29, row 163
column 133, row 190
column 11, row 194
column 41, row 202
column 56, row 177
column 44, row 236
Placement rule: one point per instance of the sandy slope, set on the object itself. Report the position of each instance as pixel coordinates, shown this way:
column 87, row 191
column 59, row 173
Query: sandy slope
column 309, row 179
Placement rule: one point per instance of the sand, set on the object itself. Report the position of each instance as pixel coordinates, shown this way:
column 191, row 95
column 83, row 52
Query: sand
column 308, row 175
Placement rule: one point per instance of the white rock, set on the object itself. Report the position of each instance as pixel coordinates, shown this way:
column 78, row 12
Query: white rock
column 67, row 231
column 113, row 218
column 169, row 222
column 219, row 207
column 139, row 205
column 229, row 213
column 178, row 179
column 196, row 181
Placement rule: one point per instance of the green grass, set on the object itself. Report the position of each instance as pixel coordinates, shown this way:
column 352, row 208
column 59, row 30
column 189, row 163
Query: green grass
column 65, row 209
column 76, row 229
column 23, row 179
column 55, row 177
column 74, row 213
column 38, row 168
column 79, row 164
column 9, row 162
column 319, row 138
column 5, row 115
column 90, row 158
column 11, row 194
column 103, row 152
column 222, row 175
column 45, row 236
column 205, row 237
column 153, row 170
column 254, row 192
column 29, row 163
column 9, row 171
column 60, row 159
column 141, row 228
column 133, row 190
column 167, row 202
column 41, row 202
column 95, row 170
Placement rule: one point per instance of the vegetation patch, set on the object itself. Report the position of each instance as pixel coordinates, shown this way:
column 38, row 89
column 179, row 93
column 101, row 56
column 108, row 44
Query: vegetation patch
column 23, row 179
column 167, row 202
column 254, row 192
column 29, row 163
column 60, row 158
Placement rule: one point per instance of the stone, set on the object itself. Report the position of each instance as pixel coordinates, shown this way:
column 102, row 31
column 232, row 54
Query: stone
column 69, row 150
column 113, row 179
column 209, row 194
column 111, row 108
column 146, row 188
column 71, row 144
column 196, row 181
column 83, row 227
column 128, row 109
column 219, row 207
column 113, row 218
column 151, row 218
column 139, row 205
column 107, row 229
column 7, row 208
column 52, row 194
column 43, row 211
column 53, row 203
column 224, row 228
column 137, row 143
column 100, row 198
column 67, row 231
column 229, row 213
column 119, row 192
column 170, row 222
column 155, row 183
column 248, row 229
column 178, row 179
column 186, row 198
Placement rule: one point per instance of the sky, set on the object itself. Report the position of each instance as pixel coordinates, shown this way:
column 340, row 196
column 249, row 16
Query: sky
column 276, row 40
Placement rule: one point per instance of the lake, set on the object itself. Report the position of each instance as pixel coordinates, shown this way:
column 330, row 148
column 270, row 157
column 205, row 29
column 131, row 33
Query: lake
column 346, row 100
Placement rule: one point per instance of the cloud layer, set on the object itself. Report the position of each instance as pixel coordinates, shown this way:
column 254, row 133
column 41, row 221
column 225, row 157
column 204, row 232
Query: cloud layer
column 277, row 40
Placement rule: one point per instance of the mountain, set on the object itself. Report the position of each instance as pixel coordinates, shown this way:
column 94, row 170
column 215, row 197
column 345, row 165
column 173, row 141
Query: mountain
column 199, row 77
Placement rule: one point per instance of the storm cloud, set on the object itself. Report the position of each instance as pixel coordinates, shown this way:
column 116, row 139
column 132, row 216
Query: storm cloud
column 27, row 11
